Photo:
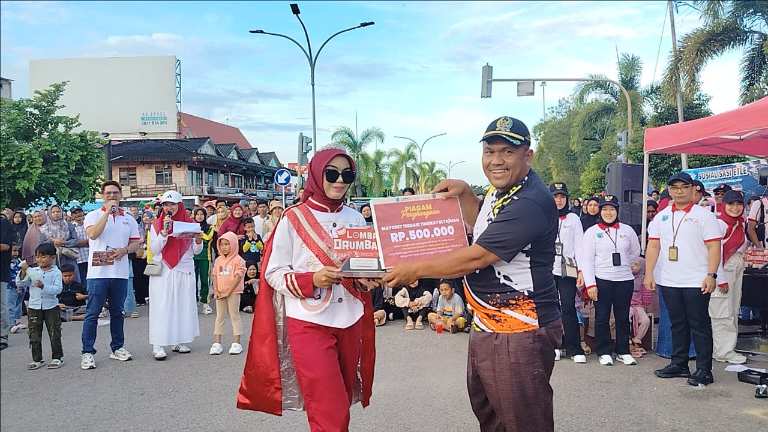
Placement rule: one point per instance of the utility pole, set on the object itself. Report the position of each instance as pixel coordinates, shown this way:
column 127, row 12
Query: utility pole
column 678, row 91
column 543, row 101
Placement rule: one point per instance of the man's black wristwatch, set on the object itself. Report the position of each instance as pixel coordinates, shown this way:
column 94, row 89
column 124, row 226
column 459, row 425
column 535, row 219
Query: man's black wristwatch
column 714, row 275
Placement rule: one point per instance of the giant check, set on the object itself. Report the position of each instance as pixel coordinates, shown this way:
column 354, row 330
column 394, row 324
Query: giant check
column 417, row 227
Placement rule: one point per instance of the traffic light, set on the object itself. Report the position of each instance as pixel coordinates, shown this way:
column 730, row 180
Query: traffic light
column 304, row 148
column 485, row 90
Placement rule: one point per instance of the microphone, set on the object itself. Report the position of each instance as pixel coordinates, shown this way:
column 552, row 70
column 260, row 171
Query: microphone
column 168, row 221
column 113, row 210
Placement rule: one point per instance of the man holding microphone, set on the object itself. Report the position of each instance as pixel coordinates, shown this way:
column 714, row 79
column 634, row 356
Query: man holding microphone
column 112, row 235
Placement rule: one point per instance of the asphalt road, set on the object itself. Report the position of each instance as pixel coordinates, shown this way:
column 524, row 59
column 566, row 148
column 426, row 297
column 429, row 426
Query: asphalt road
column 420, row 386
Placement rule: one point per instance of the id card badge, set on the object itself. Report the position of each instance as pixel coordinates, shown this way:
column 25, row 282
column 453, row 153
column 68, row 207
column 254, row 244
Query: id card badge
column 616, row 256
column 558, row 248
column 672, row 253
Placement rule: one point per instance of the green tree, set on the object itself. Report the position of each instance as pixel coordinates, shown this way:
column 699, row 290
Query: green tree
column 728, row 25
column 401, row 165
column 428, row 176
column 355, row 145
column 372, row 172
column 41, row 157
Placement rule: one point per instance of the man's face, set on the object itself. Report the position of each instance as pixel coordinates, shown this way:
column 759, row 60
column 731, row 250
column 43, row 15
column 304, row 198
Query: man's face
column 67, row 277
column 134, row 211
column 681, row 193
column 56, row 213
column 446, row 290
column 112, row 193
column 253, row 206
column 262, row 209
column 78, row 217
column 719, row 196
column 655, row 196
column 505, row 164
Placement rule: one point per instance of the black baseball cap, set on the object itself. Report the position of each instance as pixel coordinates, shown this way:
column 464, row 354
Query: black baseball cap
column 700, row 187
column 511, row 129
column 681, row 177
column 722, row 187
column 558, row 188
column 652, row 203
column 732, row 196
column 610, row 200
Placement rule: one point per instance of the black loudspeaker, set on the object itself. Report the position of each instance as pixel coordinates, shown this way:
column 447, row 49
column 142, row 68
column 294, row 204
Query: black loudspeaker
column 625, row 181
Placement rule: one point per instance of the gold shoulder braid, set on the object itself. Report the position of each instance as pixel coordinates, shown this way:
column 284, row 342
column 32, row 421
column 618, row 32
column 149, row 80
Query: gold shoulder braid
column 505, row 198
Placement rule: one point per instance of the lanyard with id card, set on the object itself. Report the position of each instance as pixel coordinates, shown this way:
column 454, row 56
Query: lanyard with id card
column 615, row 256
column 672, row 254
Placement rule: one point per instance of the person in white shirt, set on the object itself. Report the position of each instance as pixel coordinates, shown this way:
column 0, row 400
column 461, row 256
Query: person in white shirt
column 112, row 235
column 321, row 340
column 569, row 235
column 725, row 300
column 605, row 258
column 756, row 219
column 683, row 256
column 260, row 217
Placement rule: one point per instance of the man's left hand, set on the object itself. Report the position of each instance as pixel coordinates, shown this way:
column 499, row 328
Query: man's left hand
column 708, row 285
column 401, row 275
column 119, row 253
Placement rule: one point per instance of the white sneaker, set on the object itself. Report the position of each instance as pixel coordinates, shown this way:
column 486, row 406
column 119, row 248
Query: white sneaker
column 579, row 358
column 17, row 327
column 606, row 360
column 216, row 349
column 207, row 310
column 121, row 354
column 235, row 348
column 627, row 359
column 104, row 313
column 159, row 352
column 557, row 354
column 181, row 349
column 87, row 361
column 732, row 358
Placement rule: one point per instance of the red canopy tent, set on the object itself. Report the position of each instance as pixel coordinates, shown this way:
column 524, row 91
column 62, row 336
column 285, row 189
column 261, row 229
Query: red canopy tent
column 743, row 131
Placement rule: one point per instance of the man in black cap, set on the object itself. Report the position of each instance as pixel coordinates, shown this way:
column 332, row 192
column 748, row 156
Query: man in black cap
column 720, row 191
column 509, row 284
column 682, row 257
column 569, row 234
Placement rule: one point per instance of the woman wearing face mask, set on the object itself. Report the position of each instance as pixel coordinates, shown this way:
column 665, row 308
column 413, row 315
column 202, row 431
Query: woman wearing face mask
column 327, row 355
column 605, row 259
column 591, row 214
column 173, row 309
column 725, row 300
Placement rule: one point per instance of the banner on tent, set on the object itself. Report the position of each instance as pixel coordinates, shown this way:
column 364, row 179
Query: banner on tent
column 740, row 176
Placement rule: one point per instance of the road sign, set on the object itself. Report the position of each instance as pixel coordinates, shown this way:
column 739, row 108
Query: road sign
column 282, row 177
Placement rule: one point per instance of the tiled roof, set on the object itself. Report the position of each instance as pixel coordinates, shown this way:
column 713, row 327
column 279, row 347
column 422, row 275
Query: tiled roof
column 266, row 157
column 194, row 126
column 225, row 149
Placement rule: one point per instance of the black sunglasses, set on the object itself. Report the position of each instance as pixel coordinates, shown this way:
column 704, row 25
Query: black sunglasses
column 347, row 176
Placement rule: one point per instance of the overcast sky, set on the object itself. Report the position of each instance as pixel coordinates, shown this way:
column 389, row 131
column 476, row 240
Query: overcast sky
column 415, row 73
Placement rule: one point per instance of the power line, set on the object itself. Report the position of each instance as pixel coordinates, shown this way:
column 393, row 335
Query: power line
column 658, row 51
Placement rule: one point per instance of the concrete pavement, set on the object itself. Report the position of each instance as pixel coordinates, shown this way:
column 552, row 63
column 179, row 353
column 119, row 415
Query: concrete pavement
column 420, row 386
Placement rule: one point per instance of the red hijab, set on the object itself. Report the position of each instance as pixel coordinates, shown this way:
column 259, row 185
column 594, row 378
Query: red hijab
column 314, row 192
column 233, row 224
column 734, row 234
column 175, row 247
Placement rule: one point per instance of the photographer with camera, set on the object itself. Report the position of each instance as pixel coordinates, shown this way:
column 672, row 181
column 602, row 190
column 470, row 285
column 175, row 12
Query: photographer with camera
column 112, row 235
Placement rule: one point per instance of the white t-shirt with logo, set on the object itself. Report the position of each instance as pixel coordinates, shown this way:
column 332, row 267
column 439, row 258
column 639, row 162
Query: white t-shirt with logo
column 570, row 234
column 597, row 249
column 698, row 226
column 119, row 231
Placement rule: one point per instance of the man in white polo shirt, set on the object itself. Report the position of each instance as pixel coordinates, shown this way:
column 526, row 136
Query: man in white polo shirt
column 682, row 257
column 112, row 234
column 756, row 219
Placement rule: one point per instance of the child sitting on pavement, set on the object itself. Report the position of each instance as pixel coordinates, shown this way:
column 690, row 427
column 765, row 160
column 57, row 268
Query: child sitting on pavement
column 450, row 309
column 414, row 302
column 44, row 284
column 73, row 295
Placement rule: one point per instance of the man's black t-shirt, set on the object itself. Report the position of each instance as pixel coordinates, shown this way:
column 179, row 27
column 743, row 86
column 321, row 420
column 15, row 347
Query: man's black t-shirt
column 67, row 295
column 522, row 235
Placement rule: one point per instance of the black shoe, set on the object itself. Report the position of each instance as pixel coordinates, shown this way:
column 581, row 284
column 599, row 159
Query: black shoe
column 673, row 371
column 701, row 377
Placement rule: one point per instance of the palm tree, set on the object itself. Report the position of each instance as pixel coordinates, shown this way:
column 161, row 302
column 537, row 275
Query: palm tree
column 371, row 172
column 402, row 163
column 428, row 176
column 727, row 25
column 355, row 145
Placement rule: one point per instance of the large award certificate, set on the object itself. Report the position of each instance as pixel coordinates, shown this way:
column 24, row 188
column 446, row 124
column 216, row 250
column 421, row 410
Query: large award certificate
column 417, row 227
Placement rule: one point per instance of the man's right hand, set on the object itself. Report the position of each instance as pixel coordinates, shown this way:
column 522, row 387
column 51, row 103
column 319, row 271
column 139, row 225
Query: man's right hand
column 649, row 282
column 111, row 203
column 326, row 277
column 452, row 188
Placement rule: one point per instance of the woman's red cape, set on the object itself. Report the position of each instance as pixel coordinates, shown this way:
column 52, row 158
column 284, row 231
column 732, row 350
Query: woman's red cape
column 260, row 385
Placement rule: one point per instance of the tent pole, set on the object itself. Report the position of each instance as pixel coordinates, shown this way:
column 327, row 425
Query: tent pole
column 644, row 226
column 678, row 91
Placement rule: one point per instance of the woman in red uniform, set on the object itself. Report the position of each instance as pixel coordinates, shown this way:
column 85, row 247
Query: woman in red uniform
column 313, row 332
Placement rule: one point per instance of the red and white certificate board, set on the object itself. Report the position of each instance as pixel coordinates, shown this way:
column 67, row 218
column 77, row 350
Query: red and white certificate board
column 417, row 227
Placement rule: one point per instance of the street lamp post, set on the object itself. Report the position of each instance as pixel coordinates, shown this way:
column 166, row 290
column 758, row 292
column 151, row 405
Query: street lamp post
column 450, row 166
column 311, row 59
column 421, row 147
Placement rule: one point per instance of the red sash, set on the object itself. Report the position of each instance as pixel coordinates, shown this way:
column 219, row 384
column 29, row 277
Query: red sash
column 260, row 385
